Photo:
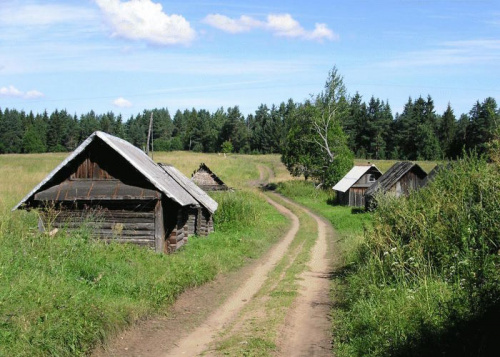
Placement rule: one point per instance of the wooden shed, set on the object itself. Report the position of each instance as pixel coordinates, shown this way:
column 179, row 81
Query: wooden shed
column 122, row 195
column 399, row 180
column 207, row 180
column 350, row 191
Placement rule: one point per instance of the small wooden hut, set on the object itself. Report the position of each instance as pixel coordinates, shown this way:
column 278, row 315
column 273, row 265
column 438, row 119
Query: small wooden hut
column 207, row 180
column 399, row 180
column 350, row 191
column 432, row 174
column 122, row 195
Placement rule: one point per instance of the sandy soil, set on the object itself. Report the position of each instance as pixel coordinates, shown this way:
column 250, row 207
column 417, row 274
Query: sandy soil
column 306, row 331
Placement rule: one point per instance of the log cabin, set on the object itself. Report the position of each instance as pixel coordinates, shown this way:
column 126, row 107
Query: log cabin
column 402, row 178
column 205, row 179
column 121, row 195
column 350, row 190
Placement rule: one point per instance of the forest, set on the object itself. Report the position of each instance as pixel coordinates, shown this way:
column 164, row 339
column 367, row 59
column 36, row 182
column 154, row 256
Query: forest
column 372, row 131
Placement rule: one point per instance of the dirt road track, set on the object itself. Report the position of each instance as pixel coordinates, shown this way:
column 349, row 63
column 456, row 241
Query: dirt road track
column 199, row 340
column 307, row 328
column 199, row 314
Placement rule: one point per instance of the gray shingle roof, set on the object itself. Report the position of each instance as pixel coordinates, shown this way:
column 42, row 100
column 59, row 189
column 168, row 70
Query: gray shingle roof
column 391, row 176
column 155, row 174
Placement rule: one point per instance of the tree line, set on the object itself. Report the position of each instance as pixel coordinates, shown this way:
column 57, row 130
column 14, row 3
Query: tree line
column 371, row 130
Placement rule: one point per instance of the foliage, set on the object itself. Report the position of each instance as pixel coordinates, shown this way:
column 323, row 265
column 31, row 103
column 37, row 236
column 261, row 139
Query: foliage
column 428, row 269
column 227, row 147
column 316, row 145
column 370, row 130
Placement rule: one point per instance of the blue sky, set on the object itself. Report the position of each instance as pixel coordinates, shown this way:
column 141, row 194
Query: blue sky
column 127, row 56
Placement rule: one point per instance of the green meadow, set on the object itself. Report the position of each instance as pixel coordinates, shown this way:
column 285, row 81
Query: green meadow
column 64, row 295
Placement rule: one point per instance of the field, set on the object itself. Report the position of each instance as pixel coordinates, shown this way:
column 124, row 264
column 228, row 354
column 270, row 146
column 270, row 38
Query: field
column 63, row 295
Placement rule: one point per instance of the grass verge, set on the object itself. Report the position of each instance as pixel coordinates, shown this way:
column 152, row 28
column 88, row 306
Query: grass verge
column 65, row 294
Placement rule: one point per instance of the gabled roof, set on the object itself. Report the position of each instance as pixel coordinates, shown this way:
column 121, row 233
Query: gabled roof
column 205, row 168
column 393, row 175
column 139, row 160
column 352, row 177
column 191, row 187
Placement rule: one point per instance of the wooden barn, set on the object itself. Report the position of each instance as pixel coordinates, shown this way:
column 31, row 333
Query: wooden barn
column 399, row 180
column 350, row 191
column 207, row 180
column 122, row 195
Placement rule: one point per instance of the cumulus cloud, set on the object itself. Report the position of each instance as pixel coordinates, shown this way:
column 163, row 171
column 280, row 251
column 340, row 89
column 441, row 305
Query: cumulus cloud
column 44, row 14
column 224, row 23
column 145, row 20
column 12, row 91
column 33, row 94
column 283, row 25
column 122, row 103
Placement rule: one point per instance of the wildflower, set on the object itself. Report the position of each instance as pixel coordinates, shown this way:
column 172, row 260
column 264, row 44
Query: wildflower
column 385, row 253
column 393, row 249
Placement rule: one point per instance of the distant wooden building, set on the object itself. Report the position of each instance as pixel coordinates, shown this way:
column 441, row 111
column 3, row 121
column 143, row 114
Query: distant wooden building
column 399, row 180
column 207, row 180
column 121, row 195
column 350, row 191
column 432, row 174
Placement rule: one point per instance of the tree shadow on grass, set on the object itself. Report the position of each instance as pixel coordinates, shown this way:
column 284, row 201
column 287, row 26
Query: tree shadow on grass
column 479, row 336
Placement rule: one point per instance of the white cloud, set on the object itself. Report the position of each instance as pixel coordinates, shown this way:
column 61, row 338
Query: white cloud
column 224, row 23
column 33, row 94
column 12, row 91
column 145, row 20
column 41, row 15
column 321, row 31
column 283, row 25
column 451, row 53
column 122, row 103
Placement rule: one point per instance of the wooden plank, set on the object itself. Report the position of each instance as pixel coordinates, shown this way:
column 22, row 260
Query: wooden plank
column 159, row 229
column 138, row 241
column 124, row 233
column 149, row 226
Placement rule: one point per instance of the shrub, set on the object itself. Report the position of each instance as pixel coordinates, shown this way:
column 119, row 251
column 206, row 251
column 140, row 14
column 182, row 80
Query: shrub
column 429, row 267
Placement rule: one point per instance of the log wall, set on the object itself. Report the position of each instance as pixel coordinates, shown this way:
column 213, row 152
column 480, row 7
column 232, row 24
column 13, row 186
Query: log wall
column 107, row 222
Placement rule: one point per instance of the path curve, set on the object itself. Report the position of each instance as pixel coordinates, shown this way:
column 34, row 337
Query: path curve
column 306, row 329
column 200, row 339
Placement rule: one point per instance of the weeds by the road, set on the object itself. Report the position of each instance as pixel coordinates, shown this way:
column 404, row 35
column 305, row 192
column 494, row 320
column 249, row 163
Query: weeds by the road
column 425, row 279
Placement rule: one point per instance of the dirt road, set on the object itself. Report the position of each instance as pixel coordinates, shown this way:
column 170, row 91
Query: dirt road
column 201, row 314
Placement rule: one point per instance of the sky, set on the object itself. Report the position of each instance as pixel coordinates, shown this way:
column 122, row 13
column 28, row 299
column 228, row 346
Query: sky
column 128, row 56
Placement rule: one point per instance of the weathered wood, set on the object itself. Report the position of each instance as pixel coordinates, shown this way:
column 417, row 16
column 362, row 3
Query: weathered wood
column 139, row 241
column 123, row 233
column 107, row 214
column 159, row 229
column 105, row 225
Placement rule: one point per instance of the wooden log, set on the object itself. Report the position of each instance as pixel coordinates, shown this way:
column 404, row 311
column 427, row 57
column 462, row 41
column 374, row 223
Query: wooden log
column 124, row 233
column 147, row 242
column 115, row 226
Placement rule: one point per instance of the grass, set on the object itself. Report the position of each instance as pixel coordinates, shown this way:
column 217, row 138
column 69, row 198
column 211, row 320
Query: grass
column 65, row 294
column 62, row 295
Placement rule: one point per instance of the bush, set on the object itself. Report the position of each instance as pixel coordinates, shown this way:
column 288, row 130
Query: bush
column 236, row 209
column 429, row 267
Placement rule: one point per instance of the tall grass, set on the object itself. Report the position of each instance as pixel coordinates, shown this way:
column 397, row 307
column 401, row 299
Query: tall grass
column 427, row 280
